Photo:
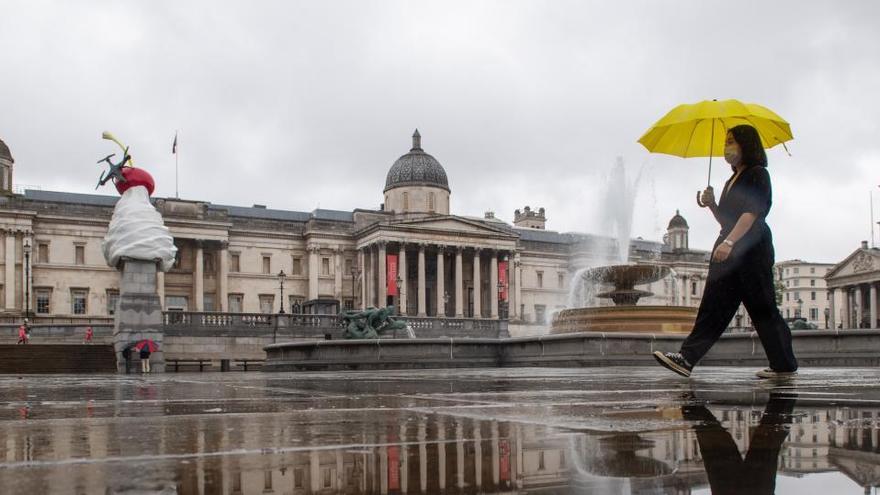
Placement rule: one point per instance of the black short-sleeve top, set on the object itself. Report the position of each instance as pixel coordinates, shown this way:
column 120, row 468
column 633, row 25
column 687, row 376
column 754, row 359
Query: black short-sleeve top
column 751, row 193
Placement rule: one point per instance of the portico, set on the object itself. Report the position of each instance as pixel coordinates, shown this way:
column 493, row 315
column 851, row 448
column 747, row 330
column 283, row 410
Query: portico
column 439, row 267
column 853, row 289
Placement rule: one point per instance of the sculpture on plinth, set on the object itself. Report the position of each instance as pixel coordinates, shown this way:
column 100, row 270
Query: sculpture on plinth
column 139, row 245
column 372, row 322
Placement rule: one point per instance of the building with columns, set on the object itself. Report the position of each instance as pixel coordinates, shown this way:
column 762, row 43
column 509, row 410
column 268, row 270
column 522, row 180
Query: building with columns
column 412, row 252
column 852, row 286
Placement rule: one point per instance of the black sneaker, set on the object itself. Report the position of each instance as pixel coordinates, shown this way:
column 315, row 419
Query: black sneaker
column 674, row 362
column 771, row 373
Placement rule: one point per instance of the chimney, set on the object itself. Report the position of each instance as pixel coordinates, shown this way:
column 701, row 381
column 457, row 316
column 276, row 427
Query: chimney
column 489, row 215
column 864, row 244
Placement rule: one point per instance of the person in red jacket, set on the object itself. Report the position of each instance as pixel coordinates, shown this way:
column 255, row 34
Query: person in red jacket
column 89, row 334
column 24, row 333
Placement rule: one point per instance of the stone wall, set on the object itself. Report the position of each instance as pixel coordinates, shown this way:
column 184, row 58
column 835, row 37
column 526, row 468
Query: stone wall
column 813, row 348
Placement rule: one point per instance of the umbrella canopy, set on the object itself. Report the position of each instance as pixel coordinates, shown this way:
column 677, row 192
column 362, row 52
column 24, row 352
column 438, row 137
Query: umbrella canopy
column 149, row 344
column 700, row 129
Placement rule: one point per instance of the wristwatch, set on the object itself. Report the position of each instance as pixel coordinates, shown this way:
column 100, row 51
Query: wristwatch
column 728, row 242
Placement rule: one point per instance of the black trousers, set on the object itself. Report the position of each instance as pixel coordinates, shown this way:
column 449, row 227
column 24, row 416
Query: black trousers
column 727, row 470
column 747, row 278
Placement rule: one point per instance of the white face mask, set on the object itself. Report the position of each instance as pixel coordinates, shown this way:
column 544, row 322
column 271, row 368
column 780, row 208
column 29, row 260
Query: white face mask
column 732, row 155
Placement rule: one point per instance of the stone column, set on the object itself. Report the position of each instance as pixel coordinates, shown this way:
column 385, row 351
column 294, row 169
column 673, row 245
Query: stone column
column 478, row 286
column 383, row 277
column 859, row 295
column 512, row 304
column 519, row 300
column 199, row 277
column 686, row 280
column 313, row 271
column 873, row 305
column 223, row 279
column 459, row 307
column 9, row 272
column 362, row 276
column 160, row 288
column 847, row 320
column 493, row 286
column 337, row 274
column 441, row 283
column 832, row 313
column 404, row 283
column 139, row 314
column 422, row 313
column 371, row 282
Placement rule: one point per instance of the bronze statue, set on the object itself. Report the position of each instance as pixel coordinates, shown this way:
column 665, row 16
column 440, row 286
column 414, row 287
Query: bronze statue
column 368, row 324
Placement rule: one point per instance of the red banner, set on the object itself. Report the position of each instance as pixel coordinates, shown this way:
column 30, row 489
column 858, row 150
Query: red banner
column 390, row 275
column 394, row 468
column 502, row 279
column 504, row 461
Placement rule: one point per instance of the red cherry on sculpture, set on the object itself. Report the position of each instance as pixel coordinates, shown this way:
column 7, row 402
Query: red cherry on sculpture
column 135, row 177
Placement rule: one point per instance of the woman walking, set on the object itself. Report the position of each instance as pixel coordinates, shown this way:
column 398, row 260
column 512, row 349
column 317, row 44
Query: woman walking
column 741, row 268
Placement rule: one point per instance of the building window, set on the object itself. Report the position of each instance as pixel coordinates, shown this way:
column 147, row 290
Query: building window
column 267, row 302
column 298, row 477
column 560, row 280
column 325, row 266
column 208, row 302
column 431, row 202
column 812, row 269
column 208, row 264
column 540, row 311
column 297, row 266
column 112, row 299
column 235, row 303
column 540, row 279
column 541, row 465
column 78, row 298
column 177, row 257
column 814, row 314
column 176, row 303
column 693, row 288
column 786, row 296
column 267, row 264
column 812, row 282
column 43, row 252
column 234, row 262
column 813, row 295
column 405, row 201
column 79, row 255
column 348, row 264
column 797, row 295
column 267, row 480
column 348, row 304
column 43, row 297
column 796, row 270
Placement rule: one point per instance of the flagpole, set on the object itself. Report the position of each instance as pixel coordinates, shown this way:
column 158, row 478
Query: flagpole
column 871, row 196
column 176, row 158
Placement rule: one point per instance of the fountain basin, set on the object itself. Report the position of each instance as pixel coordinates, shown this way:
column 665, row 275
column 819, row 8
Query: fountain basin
column 638, row 319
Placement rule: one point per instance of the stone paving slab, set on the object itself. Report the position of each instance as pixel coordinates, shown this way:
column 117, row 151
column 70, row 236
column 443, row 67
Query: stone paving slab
column 512, row 430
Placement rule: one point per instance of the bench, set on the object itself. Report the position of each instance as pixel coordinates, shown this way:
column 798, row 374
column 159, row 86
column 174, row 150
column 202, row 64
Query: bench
column 244, row 363
column 201, row 362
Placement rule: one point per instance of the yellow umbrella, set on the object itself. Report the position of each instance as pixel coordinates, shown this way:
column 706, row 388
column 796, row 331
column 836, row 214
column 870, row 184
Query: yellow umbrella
column 700, row 129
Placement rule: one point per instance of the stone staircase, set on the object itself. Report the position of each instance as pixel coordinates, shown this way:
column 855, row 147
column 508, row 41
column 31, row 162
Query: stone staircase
column 56, row 358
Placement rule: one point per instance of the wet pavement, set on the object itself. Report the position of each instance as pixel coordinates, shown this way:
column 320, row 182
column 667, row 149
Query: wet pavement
column 526, row 430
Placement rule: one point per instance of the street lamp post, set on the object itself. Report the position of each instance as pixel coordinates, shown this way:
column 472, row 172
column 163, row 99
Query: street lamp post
column 26, row 244
column 399, row 281
column 502, row 303
column 281, row 276
column 827, row 312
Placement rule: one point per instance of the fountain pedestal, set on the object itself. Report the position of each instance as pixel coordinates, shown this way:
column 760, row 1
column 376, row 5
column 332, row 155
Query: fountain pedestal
column 625, row 315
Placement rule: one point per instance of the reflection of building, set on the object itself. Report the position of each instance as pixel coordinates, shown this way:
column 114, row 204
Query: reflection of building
column 803, row 290
column 853, row 286
column 230, row 256
column 195, row 453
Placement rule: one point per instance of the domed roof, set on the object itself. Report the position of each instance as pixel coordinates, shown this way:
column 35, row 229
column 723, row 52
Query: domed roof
column 416, row 168
column 5, row 154
column 677, row 221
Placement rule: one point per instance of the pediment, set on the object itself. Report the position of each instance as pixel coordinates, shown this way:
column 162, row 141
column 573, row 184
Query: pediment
column 862, row 261
column 449, row 224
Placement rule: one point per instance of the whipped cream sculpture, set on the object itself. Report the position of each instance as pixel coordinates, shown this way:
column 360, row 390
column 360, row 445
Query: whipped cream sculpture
column 136, row 228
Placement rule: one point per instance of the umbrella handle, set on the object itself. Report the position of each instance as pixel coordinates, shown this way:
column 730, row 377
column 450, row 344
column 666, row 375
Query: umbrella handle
column 700, row 203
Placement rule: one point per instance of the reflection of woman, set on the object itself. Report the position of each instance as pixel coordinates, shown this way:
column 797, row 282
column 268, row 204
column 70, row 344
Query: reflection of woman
column 741, row 269
column 727, row 470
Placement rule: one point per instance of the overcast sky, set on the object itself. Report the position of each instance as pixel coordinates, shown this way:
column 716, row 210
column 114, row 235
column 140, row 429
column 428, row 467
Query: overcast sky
column 298, row 105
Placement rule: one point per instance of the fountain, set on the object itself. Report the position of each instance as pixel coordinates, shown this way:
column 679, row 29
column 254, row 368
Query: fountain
column 625, row 315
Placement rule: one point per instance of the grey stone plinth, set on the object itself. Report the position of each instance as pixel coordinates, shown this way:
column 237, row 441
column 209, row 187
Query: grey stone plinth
column 138, row 314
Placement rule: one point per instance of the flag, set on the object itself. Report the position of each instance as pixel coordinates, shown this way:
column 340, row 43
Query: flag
column 174, row 145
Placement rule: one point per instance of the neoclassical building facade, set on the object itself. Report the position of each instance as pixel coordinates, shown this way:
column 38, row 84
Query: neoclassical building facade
column 412, row 252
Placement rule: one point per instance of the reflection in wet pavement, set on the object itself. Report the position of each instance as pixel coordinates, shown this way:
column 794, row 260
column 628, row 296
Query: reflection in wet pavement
column 609, row 430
